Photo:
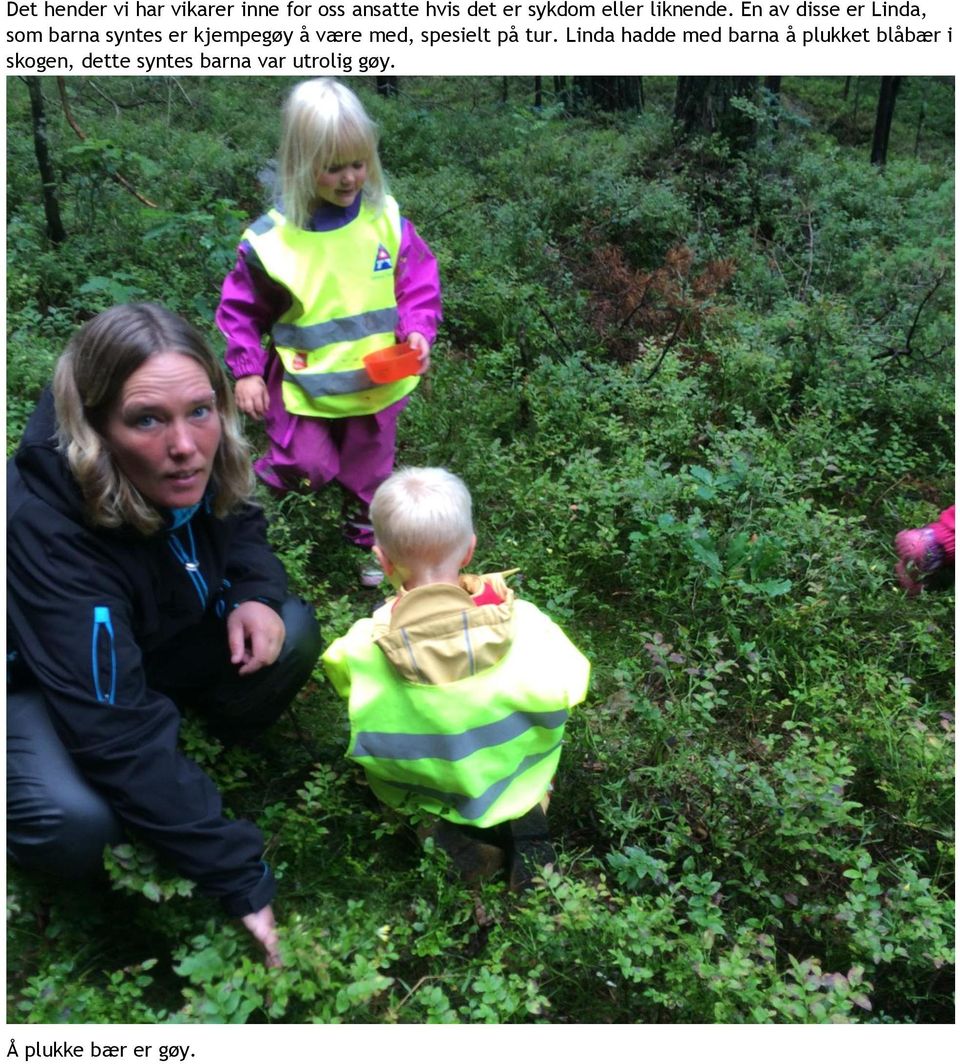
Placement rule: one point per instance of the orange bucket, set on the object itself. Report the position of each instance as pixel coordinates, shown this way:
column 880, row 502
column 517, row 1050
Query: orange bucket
column 392, row 363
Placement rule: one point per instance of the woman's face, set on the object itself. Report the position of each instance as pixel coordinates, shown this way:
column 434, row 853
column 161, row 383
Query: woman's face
column 164, row 430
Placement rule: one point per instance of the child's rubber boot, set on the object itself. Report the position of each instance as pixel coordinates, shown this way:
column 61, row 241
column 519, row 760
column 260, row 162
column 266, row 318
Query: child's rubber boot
column 531, row 848
column 371, row 575
column 473, row 859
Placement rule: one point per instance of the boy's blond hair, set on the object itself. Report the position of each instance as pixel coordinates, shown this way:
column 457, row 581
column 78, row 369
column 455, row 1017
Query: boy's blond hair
column 324, row 124
column 422, row 516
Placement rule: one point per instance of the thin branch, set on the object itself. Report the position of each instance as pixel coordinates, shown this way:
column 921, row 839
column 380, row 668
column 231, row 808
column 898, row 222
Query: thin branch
column 934, row 354
column 110, row 100
column 416, row 986
column 183, row 92
column 906, row 349
column 885, row 313
column 663, row 354
column 896, row 484
column 809, row 270
column 123, row 105
column 923, row 303
column 546, row 317
column 643, row 299
column 523, row 408
column 118, row 178
column 483, row 197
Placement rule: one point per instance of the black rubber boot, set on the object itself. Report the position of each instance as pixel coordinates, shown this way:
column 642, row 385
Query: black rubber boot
column 473, row 858
column 531, row 849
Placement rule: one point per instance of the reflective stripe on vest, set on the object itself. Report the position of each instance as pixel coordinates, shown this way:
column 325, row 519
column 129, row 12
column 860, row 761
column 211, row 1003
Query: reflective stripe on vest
column 340, row 330
column 412, row 746
column 343, row 306
column 483, row 810
column 486, row 747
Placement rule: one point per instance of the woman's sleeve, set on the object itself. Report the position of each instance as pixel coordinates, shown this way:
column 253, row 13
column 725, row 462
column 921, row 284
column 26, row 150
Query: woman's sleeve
column 73, row 626
column 417, row 286
column 254, row 571
column 250, row 303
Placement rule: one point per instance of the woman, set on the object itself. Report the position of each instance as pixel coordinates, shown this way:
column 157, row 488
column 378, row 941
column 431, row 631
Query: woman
column 140, row 579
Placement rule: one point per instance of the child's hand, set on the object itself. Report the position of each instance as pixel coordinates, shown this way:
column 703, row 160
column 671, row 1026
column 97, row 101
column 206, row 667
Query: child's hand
column 252, row 396
column 419, row 341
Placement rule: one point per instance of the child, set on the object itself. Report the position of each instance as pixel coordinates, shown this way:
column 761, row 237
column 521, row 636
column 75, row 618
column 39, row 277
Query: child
column 329, row 276
column 458, row 691
column 926, row 554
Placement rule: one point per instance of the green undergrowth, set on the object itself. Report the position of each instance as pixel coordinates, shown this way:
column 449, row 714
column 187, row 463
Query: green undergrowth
column 695, row 395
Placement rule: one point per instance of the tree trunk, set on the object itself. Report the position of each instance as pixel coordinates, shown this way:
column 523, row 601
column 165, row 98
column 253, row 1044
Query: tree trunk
column 609, row 94
column 630, row 94
column 889, row 87
column 921, row 117
column 702, row 105
column 387, row 85
column 48, row 179
column 538, row 92
column 772, row 85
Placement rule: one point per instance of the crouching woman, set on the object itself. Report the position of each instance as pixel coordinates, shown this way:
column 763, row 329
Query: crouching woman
column 139, row 581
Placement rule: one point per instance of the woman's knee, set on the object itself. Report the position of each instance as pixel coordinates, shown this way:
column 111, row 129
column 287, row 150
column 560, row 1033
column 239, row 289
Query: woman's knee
column 61, row 834
column 243, row 707
column 301, row 644
column 56, row 821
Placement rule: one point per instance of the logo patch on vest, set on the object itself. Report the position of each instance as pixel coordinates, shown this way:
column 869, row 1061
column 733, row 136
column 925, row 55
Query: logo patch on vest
column 382, row 261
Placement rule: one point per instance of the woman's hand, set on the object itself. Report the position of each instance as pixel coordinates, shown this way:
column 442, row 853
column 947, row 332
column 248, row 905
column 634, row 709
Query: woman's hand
column 252, row 397
column 420, row 342
column 264, row 929
column 255, row 635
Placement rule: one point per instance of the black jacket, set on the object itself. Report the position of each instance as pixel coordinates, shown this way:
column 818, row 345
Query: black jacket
column 86, row 608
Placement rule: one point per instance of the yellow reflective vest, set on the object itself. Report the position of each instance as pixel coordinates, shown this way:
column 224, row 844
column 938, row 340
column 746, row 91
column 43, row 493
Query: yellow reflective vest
column 479, row 750
column 343, row 306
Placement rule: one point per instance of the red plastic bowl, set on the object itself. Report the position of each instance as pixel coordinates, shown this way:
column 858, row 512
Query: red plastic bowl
column 392, row 363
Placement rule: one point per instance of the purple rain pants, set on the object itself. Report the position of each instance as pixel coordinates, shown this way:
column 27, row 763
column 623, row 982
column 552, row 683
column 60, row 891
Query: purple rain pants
column 307, row 452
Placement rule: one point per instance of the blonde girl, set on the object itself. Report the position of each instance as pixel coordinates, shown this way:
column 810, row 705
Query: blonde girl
column 329, row 274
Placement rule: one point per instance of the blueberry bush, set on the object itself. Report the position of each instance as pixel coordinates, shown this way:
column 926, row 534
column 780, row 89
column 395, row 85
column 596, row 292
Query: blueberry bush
column 695, row 392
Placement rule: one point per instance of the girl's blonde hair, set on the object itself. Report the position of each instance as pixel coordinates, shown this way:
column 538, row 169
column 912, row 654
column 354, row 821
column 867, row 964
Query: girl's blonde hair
column 422, row 515
column 88, row 382
column 324, row 124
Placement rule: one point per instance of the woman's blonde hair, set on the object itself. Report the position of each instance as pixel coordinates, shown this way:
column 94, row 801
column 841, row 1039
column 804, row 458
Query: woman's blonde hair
column 88, row 382
column 422, row 515
column 324, row 124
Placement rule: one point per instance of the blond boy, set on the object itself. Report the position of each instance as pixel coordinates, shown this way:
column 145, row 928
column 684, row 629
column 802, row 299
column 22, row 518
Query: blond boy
column 458, row 692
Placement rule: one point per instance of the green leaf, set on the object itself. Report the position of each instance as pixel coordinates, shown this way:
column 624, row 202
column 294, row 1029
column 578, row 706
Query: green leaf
column 707, row 555
column 775, row 588
column 701, row 474
column 152, row 891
